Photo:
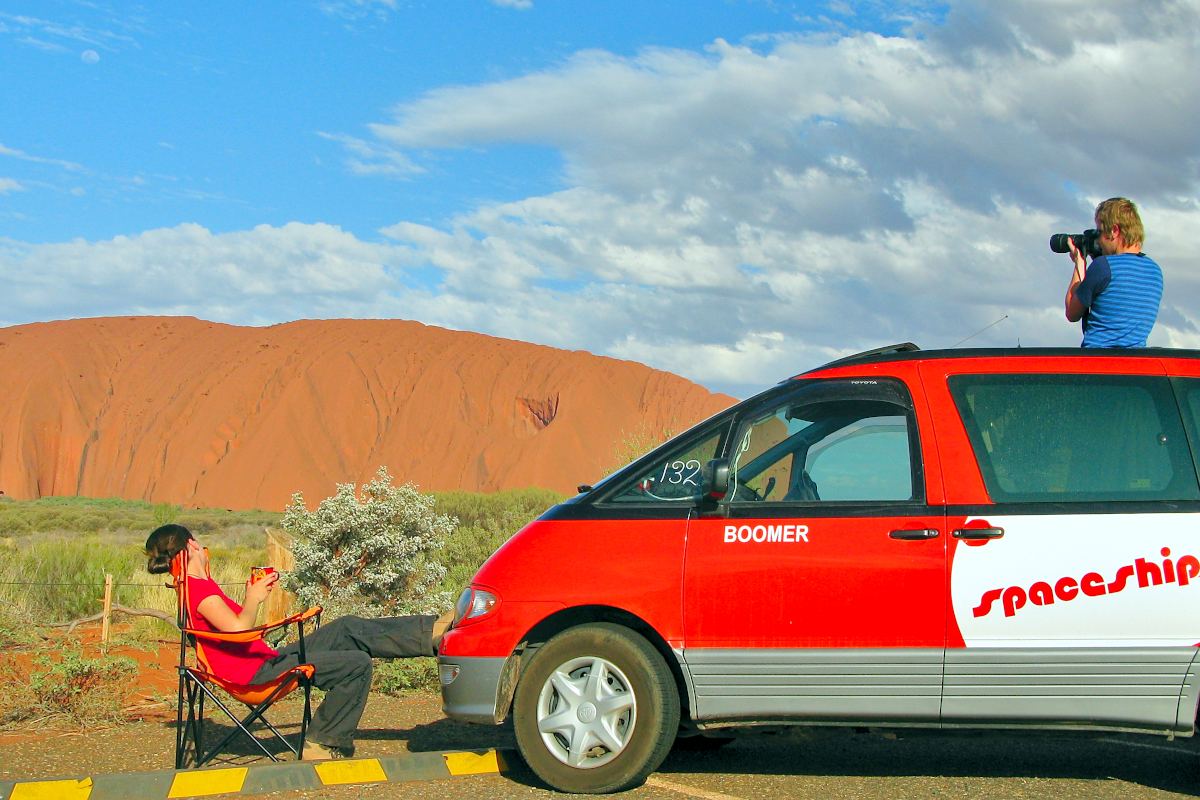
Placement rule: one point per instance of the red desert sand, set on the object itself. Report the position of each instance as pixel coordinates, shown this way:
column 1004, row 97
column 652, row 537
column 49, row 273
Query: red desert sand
column 179, row 410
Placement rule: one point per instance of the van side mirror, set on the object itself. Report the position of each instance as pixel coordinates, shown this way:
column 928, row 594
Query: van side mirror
column 714, row 479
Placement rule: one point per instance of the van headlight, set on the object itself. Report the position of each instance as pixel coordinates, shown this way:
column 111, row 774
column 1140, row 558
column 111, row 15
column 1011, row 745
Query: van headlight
column 474, row 604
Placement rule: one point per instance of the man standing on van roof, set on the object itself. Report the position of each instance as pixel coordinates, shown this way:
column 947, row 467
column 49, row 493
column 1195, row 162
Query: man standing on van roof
column 1117, row 295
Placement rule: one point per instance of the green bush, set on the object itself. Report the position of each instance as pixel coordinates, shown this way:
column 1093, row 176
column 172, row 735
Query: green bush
column 84, row 690
column 405, row 675
column 486, row 521
column 15, row 630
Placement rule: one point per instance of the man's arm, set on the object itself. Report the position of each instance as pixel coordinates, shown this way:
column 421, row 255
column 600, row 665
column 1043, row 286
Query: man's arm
column 1073, row 307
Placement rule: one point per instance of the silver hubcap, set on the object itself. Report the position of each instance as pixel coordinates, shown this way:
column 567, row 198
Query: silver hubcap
column 586, row 712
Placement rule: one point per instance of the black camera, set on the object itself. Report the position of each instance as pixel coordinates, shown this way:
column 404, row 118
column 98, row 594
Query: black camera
column 1087, row 242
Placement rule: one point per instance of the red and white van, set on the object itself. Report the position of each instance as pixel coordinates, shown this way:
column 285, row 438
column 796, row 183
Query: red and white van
column 966, row 538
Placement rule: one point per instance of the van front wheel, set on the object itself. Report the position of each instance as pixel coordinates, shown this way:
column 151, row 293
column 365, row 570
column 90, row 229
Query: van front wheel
column 595, row 710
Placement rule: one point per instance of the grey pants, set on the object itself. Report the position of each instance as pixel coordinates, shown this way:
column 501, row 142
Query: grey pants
column 341, row 652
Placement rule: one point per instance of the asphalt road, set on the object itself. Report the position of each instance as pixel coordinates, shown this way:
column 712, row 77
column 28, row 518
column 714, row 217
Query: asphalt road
column 846, row 764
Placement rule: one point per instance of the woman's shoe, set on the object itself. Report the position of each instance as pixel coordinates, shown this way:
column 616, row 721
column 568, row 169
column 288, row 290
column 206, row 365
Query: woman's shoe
column 314, row 751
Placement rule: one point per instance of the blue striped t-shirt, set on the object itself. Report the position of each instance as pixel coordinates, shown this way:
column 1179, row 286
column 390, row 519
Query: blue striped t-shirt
column 1121, row 294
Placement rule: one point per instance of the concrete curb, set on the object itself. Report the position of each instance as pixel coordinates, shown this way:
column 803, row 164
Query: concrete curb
column 257, row 779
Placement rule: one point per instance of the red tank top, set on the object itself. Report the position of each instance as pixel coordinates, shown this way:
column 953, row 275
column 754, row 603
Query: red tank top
column 231, row 661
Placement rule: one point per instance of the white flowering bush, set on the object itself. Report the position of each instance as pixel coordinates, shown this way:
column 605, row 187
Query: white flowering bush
column 368, row 553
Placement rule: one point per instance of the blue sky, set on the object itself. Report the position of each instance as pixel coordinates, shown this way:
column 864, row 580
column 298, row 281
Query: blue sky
column 733, row 190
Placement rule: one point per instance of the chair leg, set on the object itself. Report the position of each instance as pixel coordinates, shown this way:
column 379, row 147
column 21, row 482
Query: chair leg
column 190, row 730
column 200, row 727
column 180, row 731
column 305, row 718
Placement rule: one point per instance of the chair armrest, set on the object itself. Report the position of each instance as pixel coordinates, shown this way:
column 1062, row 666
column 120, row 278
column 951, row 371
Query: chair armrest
column 250, row 634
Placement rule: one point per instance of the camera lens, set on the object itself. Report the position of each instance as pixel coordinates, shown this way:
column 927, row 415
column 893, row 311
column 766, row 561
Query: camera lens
column 1059, row 243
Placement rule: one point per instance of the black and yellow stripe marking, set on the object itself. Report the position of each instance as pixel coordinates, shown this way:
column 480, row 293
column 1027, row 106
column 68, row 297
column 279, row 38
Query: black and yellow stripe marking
column 171, row 784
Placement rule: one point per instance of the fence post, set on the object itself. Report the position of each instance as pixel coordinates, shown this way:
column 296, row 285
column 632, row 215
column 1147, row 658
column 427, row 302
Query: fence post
column 107, row 600
column 279, row 555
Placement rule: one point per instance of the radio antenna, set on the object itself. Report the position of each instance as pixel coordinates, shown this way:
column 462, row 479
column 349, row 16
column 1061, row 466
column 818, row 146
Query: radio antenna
column 981, row 330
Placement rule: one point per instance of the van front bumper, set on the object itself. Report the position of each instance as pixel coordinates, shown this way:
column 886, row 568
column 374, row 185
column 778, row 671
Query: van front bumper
column 470, row 686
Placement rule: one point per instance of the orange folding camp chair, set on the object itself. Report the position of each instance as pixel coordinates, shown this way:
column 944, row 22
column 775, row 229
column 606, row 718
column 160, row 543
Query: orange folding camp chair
column 196, row 682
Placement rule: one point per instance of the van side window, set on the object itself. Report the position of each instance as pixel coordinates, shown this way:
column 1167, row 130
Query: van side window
column 673, row 476
column 833, row 441
column 1188, row 391
column 1076, row 438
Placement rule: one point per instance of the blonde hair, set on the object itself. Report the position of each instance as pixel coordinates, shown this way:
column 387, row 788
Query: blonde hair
column 1118, row 212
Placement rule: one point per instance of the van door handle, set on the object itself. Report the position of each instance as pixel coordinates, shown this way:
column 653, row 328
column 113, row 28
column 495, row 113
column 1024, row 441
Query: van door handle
column 914, row 534
column 978, row 533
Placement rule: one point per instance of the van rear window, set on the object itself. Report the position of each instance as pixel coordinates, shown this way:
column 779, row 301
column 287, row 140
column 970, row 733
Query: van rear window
column 1076, row 438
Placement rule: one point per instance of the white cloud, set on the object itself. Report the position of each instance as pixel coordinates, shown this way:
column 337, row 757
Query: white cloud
column 264, row 275
column 373, row 158
column 21, row 155
column 520, row 5
column 357, row 9
column 10, row 185
column 50, row 34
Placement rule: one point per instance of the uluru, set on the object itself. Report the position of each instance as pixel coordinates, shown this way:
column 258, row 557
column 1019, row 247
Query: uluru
column 180, row 410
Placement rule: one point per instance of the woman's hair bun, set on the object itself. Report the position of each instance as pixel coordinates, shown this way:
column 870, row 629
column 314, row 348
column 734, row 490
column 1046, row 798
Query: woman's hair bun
column 157, row 564
column 162, row 546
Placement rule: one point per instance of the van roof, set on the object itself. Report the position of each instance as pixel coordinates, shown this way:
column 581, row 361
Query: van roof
column 907, row 351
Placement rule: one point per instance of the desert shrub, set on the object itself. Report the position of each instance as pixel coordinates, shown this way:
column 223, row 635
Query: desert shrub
column 634, row 444
column 15, row 629
column 84, row 690
column 486, row 521
column 371, row 555
column 17, row 700
column 405, row 675
column 68, row 687
column 165, row 513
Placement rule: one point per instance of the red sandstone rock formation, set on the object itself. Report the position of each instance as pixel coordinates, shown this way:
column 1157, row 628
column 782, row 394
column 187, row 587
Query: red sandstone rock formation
column 203, row 414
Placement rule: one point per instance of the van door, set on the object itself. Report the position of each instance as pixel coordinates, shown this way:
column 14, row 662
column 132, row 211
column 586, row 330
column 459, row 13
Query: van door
column 1084, row 605
column 819, row 590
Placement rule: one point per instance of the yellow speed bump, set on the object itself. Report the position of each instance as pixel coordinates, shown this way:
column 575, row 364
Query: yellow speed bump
column 359, row 770
column 486, row 763
column 208, row 781
column 53, row 790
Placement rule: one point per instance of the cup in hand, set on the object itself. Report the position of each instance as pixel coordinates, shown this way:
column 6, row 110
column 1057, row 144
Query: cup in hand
column 258, row 573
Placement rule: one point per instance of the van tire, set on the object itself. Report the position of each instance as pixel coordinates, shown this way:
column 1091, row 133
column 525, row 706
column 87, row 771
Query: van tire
column 623, row 736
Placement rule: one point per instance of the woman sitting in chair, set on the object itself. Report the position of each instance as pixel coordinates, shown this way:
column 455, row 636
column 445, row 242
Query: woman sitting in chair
column 341, row 651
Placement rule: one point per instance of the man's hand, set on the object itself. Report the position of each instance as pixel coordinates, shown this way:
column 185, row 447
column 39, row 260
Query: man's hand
column 1073, row 308
column 1077, row 258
